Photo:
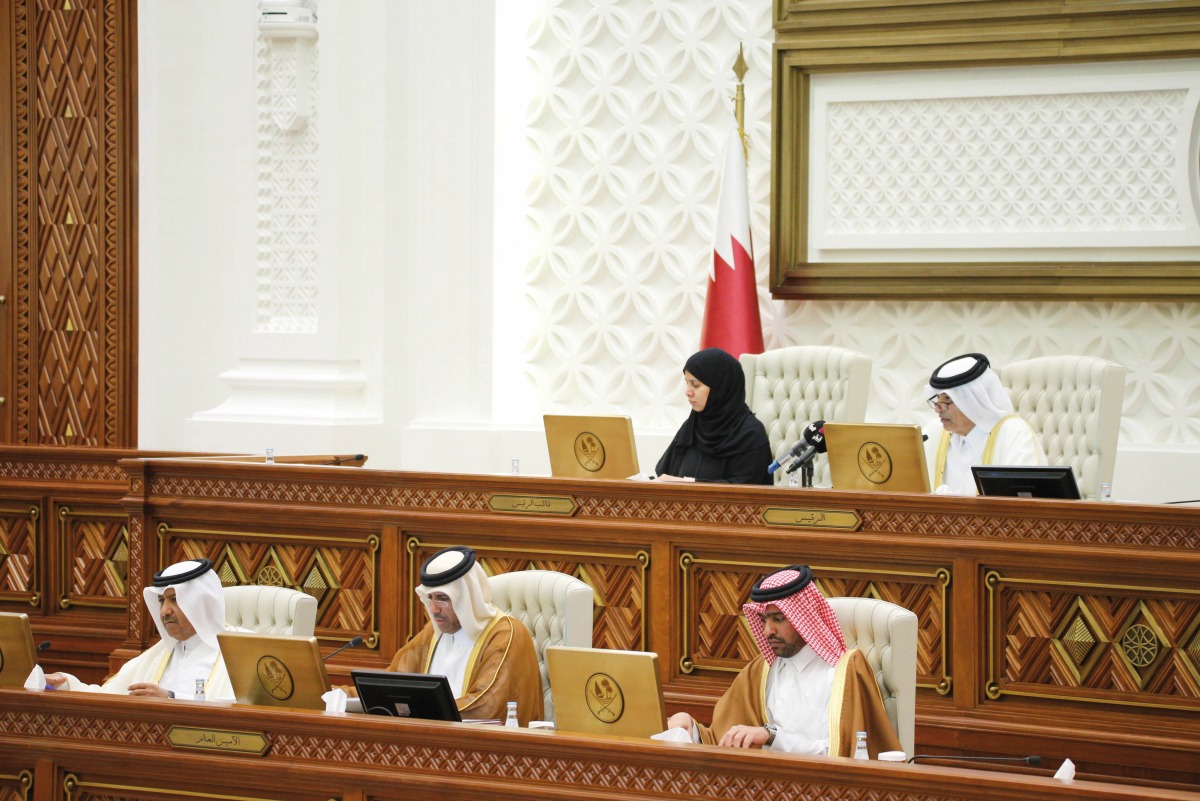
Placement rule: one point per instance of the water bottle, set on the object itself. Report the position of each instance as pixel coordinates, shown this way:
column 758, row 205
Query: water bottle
column 1105, row 491
column 270, row 456
column 511, row 720
column 860, row 746
column 515, row 467
column 199, row 689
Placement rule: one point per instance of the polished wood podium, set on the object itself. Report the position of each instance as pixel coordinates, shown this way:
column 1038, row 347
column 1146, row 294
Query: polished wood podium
column 81, row 747
column 1067, row 629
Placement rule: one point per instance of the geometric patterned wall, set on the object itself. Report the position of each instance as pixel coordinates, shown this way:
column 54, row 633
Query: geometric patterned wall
column 1069, row 168
column 630, row 107
column 72, row 121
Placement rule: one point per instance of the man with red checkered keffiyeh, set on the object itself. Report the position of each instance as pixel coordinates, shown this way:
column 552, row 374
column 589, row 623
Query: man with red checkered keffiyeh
column 805, row 693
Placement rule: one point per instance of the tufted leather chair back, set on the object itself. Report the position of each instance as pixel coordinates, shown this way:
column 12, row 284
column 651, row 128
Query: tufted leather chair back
column 790, row 387
column 271, row 610
column 887, row 636
column 1073, row 403
column 555, row 607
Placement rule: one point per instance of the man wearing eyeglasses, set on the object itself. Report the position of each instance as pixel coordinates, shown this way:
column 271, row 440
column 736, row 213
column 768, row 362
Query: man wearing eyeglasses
column 488, row 656
column 975, row 425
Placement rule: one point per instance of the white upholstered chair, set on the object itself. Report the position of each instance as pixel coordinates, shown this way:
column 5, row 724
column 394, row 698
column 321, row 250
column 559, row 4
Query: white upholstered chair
column 887, row 636
column 271, row 610
column 788, row 388
column 1073, row 403
column 555, row 607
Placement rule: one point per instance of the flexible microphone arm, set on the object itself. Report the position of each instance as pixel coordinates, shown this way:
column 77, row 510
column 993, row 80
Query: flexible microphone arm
column 357, row 641
column 1029, row 760
column 42, row 646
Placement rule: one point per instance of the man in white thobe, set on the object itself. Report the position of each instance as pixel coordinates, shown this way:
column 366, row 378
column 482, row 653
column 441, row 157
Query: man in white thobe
column 976, row 425
column 187, row 603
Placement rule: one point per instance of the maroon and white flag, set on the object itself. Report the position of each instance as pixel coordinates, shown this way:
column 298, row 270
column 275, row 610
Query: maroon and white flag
column 731, row 320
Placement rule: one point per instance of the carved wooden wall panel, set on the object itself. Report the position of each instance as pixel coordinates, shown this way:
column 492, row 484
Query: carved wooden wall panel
column 105, row 786
column 340, row 571
column 717, row 638
column 17, row 786
column 73, row 312
column 94, row 561
column 1133, row 645
column 673, row 584
column 20, row 542
column 104, row 747
column 617, row 579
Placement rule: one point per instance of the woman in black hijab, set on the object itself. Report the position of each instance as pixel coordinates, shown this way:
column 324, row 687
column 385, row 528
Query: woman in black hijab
column 722, row 440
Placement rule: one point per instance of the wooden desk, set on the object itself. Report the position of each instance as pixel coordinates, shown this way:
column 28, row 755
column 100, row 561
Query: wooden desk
column 1066, row 629
column 81, row 747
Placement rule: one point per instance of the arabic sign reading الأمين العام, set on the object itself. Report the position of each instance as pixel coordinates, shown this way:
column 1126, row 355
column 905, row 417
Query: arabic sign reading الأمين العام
column 242, row 742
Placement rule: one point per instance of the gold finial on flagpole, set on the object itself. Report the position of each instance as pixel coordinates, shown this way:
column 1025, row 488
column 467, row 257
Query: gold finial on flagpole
column 739, row 100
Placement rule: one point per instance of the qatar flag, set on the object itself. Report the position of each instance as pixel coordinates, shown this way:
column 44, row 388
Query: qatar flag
column 731, row 320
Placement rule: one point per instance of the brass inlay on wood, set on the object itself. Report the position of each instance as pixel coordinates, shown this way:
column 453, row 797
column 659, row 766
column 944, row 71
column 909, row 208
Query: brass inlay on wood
column 232, row 572
column 839, row 519
column 72, row 782
column 640, row 558
column 116, row 559
column 1137, row 642
column 689, row 611
column 558, row 505
column 25, row 778
column 34, row 595
column 238, row 742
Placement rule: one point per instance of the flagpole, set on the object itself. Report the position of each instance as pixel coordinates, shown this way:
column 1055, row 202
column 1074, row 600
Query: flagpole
column 739, row 100
column 731, row 318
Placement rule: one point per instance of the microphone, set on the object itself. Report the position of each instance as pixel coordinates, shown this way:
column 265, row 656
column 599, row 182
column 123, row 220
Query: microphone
column 1029, row 760
column 814, row 435
column 357, row 641
column 792, row 457
column 42, row 646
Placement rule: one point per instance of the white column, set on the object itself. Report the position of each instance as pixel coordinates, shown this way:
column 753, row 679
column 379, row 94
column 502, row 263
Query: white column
column 304, row 300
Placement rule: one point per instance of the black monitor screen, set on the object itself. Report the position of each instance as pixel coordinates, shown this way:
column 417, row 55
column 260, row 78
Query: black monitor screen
column 405, row 695
column 1026, row 482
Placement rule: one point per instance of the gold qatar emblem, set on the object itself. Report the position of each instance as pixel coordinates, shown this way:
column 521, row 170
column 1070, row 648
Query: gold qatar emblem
column 275, row 678
column 874, row 462
column 604, row 698
column 589, row 451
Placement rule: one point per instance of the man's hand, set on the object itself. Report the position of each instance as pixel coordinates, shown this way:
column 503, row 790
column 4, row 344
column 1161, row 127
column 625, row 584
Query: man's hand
column 56, row 680
column 680, row 720
column 147, row 690
column 745, row 737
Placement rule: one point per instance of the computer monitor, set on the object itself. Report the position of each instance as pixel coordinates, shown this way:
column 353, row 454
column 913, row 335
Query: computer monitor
column 1026, row 481
column 590, row 446
column 405, row 695
column 879, row 457
column 274, row 669
column 600, row 691
column 17, row 655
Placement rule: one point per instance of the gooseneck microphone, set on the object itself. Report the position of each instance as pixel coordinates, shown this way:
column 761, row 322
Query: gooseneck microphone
column 796, row 454
column 42, row 646
column 1029, row 760
column 814, row 435
column 357, row 641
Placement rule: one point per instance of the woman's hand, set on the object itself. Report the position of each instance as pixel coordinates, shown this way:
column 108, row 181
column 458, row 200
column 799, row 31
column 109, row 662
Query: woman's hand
column 675, row 479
